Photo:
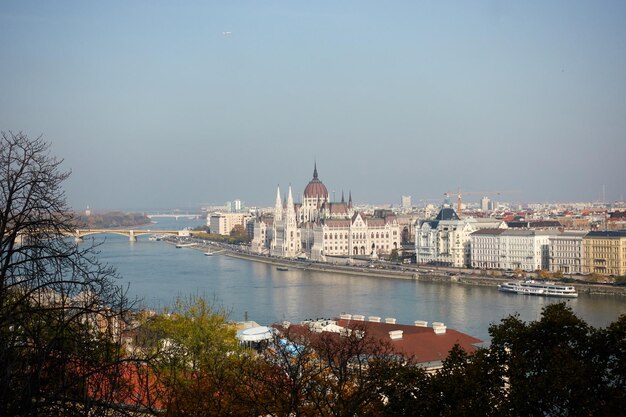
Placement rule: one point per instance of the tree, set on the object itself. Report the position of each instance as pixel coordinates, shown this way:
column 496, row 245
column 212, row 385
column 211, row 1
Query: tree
column 61, row 313
column 239, row 233
column 195, row 358
column 306, row 373
column 560, row 365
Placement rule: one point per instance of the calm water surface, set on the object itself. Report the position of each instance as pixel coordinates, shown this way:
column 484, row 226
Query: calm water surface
column 157, row 272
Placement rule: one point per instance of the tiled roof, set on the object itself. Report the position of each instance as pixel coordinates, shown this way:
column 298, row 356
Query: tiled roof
column 375, row 222
column 447, row 213
column 607, row 233
column 338, row 208
column 488, row 232
column 420, row 342
column 337, row 222
column 315, row 188
column 535, row 224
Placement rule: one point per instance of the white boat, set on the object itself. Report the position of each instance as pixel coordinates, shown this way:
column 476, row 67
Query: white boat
column 208, row 253
column 184, row 245
column 530, row 287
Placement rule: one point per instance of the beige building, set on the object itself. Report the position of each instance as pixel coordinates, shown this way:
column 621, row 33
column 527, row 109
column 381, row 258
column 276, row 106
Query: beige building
column 223, row 223
column 604, row 252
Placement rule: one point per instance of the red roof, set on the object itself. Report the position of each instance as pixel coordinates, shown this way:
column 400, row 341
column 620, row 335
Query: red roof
column 316, row 188
column 420, row 342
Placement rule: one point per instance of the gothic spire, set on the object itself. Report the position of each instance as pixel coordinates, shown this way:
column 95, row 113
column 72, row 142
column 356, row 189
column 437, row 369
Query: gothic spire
column 315, row 170
column 343, row 200
column 278, row 208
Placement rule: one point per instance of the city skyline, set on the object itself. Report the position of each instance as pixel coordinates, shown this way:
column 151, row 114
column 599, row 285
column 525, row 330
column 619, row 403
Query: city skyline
column 160, row 105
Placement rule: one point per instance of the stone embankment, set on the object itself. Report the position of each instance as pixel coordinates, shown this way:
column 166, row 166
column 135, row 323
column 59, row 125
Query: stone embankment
column 400, row 272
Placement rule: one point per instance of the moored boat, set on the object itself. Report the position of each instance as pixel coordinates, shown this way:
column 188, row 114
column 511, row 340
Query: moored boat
column 530, row 287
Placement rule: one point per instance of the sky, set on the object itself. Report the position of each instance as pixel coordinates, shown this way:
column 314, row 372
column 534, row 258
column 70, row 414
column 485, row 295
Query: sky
column 163, row 104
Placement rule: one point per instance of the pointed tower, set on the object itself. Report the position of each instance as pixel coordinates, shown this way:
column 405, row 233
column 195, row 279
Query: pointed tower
column 278, row 208
column 292, row 243
column 290, row 215
column 314, row 196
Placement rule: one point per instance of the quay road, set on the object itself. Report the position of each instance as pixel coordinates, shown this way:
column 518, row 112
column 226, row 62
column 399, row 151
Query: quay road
column 382, row 269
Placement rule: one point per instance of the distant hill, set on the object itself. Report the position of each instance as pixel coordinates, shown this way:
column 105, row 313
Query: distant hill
column 112, row 219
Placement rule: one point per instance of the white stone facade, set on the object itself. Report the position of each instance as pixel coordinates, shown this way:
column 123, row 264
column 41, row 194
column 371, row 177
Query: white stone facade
column 527, row 250
column 446, row 239
column 566, row 252
column 319, row 228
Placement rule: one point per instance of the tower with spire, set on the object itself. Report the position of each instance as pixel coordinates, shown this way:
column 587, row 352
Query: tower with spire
column 320, row 228
column 278, row 227
column 314, row 197
column 291, row 237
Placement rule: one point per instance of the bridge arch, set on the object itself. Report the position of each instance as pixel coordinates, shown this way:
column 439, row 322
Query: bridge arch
column 132, row 234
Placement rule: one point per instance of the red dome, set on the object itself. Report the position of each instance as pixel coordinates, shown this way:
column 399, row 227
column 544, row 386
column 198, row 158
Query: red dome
column 316, row 188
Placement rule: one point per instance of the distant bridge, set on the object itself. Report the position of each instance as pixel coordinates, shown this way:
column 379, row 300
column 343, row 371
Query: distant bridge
column 132, row 234
column 174, row 216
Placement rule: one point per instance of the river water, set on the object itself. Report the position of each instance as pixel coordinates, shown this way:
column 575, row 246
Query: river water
column 157, row 272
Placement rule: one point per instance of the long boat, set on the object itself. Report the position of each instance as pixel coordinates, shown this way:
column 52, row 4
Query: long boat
column 530, row 287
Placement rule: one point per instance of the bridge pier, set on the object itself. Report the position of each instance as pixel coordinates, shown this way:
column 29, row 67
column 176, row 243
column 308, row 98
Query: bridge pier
column 131, row 236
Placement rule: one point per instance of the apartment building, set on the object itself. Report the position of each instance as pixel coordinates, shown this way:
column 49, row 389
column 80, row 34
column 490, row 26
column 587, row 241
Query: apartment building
column 566, row 252
column 604, row 252
column 527, row 250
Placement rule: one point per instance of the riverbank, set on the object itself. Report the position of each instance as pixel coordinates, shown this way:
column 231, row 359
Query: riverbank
column 405, row 272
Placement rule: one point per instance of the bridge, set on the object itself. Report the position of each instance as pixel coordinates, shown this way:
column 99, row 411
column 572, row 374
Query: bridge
column 132, row 234
column 174, row 216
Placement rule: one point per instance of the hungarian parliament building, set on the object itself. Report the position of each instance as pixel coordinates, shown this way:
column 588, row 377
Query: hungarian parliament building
column 317, row 228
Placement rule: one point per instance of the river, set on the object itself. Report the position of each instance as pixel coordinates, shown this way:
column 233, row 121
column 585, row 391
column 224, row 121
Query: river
column 157, row 272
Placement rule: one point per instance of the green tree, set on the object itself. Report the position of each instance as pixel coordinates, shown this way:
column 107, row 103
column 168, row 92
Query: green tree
column 196, row 358
column 560, row 365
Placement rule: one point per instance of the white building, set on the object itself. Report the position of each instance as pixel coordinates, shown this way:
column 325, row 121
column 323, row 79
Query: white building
column 566, row 252
column 446, row 239
column 318, row 228
column 510, row 249
column 356, row 236
column 484, row 204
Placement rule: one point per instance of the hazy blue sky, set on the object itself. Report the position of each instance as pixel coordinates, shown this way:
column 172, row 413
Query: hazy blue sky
column 152, row 105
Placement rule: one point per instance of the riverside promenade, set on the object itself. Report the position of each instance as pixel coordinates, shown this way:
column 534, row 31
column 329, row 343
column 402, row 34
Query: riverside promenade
column 383, row 269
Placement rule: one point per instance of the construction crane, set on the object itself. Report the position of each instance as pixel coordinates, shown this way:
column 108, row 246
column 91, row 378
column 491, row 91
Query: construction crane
column 460, row 195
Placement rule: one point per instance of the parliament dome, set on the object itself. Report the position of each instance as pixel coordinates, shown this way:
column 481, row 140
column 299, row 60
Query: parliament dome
column 315, row 188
